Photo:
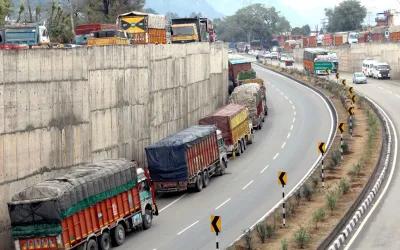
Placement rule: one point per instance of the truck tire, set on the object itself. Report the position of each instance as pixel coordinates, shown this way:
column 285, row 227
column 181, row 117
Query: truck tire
column 260, row 126
column 147, row 220
column 105, row 241
column 244, row 144
column 92, row 245
column 222, row 170
column 239, row 149
column 199, row 183
column 118, row 235
column 206, row 179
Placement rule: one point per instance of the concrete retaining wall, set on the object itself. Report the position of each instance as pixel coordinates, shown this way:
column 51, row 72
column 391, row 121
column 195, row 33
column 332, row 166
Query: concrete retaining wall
column 63, row 108
column 351, row 57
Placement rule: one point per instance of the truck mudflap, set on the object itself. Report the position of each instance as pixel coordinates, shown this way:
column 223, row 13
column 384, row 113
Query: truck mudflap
column 169, row 187
column 155, row 209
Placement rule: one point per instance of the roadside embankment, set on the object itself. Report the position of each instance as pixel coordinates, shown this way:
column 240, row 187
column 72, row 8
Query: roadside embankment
column 313, row 211
column 62, row 108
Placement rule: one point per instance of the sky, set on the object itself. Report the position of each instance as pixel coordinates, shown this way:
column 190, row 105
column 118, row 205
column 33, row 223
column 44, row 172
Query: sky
column 301, row 12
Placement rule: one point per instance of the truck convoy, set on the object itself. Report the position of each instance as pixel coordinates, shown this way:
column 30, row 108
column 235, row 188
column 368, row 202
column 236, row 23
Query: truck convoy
column 233, row 122
column 83, row 32
column 196, row 29
column 29, row 35
column 86, row 209
column 250, row 95
column 144, row 28
column 186, row 159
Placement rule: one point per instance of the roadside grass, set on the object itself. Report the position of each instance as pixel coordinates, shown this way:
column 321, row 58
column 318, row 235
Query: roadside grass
column 314, row 211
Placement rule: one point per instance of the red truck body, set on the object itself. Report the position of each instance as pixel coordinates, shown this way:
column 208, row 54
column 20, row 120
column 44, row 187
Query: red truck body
column 237, row 66
column 312, row 41
column 86, row 29
column 328, row 39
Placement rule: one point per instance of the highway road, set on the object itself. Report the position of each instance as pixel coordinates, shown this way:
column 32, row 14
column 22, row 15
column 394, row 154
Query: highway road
column 298, row 118
column 379, row 228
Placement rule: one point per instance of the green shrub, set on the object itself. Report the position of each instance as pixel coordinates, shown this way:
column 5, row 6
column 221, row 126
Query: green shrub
column 284, row 245
column 302, row 238
column 307, row 192
column 297, row 196
column 289, row 208
column 261, row 231
column 335, row 157
column 315, row 180
column 345, row 146
column 318, row 216
column 330, row 166
column 331, row 200
column 269, row 229
column 248, row 239
column 344, row 186
column 277, row 218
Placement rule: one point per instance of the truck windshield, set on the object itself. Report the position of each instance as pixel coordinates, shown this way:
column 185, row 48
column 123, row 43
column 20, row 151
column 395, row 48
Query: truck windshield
column 383, row 67
column 182, row 31
column 353, row 36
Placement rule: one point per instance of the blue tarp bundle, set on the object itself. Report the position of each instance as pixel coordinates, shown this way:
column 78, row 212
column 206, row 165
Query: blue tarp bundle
column 167, row 158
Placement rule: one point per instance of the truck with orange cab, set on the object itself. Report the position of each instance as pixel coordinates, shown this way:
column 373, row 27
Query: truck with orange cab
column 88, row 208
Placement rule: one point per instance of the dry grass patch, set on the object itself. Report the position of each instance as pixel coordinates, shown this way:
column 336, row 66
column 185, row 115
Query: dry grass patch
column 344, row 180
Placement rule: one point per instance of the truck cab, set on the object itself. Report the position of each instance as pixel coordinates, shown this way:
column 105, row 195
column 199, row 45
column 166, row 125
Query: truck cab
column 184, row 33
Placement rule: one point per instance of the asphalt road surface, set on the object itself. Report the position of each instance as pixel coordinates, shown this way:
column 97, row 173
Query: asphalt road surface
column 379, row 229
column 298, row 119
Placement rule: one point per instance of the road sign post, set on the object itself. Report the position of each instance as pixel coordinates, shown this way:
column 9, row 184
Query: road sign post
column 282, row 180
column 216, row 228
column 351, row 113
column 341, row 129
column 321, row 149
column 337, row 78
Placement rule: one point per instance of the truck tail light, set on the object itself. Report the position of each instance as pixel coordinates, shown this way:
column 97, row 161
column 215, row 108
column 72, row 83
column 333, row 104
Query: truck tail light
column 31, row 244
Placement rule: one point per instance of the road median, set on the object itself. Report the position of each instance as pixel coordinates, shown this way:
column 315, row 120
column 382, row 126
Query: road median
column 314, row 212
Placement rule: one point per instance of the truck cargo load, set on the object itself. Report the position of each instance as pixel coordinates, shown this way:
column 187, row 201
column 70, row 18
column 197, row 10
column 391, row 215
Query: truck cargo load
column 250, row 95
column 233, row 122
column 144, row 27
column 83, row 32
column 260, row 81
column 176, row 162
column 61, row 212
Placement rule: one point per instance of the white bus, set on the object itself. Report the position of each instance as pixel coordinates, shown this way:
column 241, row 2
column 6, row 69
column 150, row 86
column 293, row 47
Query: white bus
column 367, row 66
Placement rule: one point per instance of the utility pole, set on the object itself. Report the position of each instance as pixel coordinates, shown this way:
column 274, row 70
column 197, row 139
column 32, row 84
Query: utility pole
column 72, row 17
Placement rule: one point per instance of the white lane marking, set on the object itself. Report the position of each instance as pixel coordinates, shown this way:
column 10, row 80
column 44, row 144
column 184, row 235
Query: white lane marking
column 380, row 87
column 262, row 171
column 313, row 166
column 397, row 95
column 172, row 203
column 286, row 98
column 390, row 92
column 295, row 113
column 288, row 135
column 283, row 145
column 273, row 85
column 294, row 107
column 223, row 204
column 188, row 228
column 282, row 93
column 291, row 127
column 248, row 184
column 277, row 89
column 386, row 187
column 276, row 156
column 290, row 102
column 294, row 119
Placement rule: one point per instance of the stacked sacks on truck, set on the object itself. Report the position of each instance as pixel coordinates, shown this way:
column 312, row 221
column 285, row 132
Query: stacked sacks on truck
column 233, row 122
column 260, row 81
column 250, row 95
column 72, row 210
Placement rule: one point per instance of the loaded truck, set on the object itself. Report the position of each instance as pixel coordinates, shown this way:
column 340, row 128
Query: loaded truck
column 107, row 37
column 195, row 29
column 236, row 129
column 144, row 28
column 263, row 92
column 19, row 35
column 84, row 31
column 187, row 159
column 250, row 95
column 237, row 67
column 88, row 208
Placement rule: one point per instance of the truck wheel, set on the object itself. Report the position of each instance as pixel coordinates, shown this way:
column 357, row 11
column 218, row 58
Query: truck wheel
column 260, row 126
column 244, row 144
column 222, row 170
column 92, row 245
column 199, row 183
column 265, row 112
column 148, row 218
column 206, row 179
column 263, row 119
column 118, row 235
column 239, row 149
column 105, row 241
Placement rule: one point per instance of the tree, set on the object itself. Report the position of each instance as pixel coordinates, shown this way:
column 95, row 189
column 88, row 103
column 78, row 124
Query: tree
column 30, row 11
column 6, row 10
column 348, row 15
column 283, row 25
column 171, row 15
column 194, row 14
column 38, row 10
column 307, row 30
column 150, row 11
column 21, row 10
column 297, row 31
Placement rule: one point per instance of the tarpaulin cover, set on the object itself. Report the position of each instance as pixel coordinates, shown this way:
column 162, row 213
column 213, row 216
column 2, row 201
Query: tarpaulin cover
column 249, row 95
column 53, row 200
column 167, row 158
column 222, row 118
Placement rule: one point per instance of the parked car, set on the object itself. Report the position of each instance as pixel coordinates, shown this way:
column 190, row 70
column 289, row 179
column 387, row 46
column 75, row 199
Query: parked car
column 359, row 77
column 282, row 57
column 274, row 55
column 230, row 51
column 267, row 55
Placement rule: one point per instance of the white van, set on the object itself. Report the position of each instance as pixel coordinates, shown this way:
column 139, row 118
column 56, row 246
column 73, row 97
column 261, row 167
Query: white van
column 367, row 66
column 381, row 71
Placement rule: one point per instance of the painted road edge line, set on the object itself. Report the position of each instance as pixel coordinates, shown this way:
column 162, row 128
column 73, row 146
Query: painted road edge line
column 368, row 201
column 188, row 228
column 331, row 136
column 172, row 203
column 223, row 203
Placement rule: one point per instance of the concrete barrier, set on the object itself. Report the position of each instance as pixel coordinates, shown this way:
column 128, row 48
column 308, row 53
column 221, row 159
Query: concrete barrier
column 62, row 108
